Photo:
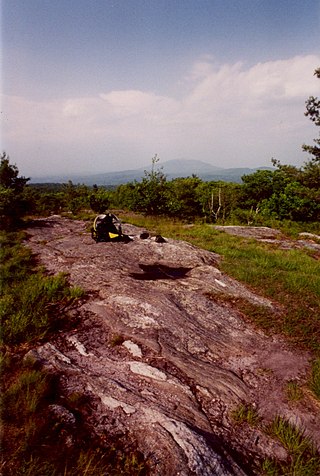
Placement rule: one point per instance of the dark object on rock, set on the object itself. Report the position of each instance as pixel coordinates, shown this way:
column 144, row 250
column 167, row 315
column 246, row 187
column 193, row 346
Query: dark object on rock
column 160, row 239
column 144, row 235
column 159, row 271
column 108, row 228
column 125, row 238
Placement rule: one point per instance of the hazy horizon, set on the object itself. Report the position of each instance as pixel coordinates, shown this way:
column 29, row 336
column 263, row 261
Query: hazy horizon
column 105, row 85
column 160, row 165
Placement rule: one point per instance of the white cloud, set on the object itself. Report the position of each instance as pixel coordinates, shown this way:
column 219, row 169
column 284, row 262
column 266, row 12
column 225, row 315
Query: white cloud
column 231, row 115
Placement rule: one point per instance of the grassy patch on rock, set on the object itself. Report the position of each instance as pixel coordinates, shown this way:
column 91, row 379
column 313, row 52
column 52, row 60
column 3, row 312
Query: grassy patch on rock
column 303, row 458
column 294, row 391
column 31, row 302
column 246, row 413
column 315, row 378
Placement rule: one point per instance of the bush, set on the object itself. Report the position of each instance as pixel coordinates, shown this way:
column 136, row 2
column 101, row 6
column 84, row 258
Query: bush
column 13, row 204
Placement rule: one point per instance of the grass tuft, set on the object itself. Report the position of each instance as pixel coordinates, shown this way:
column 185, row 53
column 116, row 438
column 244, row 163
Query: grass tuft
column 303, row 458
column 246, row 413
column 117, row 339
column 315, row 378
column 290, row 436
column 23, row 397
column 293, row 391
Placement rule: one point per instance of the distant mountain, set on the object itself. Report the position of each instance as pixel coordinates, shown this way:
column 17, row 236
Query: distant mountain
column 187, row 167
column 172, row 169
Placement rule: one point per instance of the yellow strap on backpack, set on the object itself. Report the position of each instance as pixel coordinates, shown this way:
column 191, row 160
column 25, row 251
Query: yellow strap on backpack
column 112, row 235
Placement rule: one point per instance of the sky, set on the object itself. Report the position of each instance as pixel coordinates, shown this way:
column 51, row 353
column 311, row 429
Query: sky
column 91, row 86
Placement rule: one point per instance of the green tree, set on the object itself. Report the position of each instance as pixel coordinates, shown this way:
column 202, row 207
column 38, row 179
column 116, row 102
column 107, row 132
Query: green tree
column 76, row 197
column 295, row 192
column 182, row 198
column 313, row 112
column 257, row 187
column 295, row 202
column 124, row 196
column 150, row 194
column 13, row 203
column 9, row 175
column 218, row 199
column 99, row 199
column 311, row 175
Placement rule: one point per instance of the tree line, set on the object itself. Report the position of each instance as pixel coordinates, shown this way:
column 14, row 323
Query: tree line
column 285, row 193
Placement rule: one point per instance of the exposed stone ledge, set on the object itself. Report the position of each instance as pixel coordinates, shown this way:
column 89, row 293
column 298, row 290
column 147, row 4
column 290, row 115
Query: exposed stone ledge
column 182, row 361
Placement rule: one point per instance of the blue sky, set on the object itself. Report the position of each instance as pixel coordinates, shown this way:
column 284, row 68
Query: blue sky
column 91, row 86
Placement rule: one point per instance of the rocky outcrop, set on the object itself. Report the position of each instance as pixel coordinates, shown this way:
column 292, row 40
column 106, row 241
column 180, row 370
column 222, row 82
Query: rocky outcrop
column 163, row 362
column 270, row 235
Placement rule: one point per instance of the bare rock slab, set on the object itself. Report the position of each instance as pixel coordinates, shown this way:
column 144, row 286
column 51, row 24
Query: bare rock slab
column 163, row 364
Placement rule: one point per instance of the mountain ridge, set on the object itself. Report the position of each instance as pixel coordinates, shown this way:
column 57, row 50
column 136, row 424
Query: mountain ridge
column 172, row 169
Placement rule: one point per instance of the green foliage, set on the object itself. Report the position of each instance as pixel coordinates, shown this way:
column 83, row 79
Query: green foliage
column 24, row 396
column 125, row 196
column 99, row 199
column 293, row 391
column 294, row 203
column 29, row 300
column 218, row 199
column 257, row 187
column 33, row 445
column 297, row 466
column 44, row 203
column 270, row 467
column 291, row 437
column 315, row 378
column 9, row 175
column 48, row 199
column 75, row 197
column 285, row 193
column 181, row 198
column 284, row 276
column 303, row 458
column 89, row 462
column 186, row 198
column 246, row 413
column 313, row 112
column 29, row 309
column 150, row 194
column 13, row 204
